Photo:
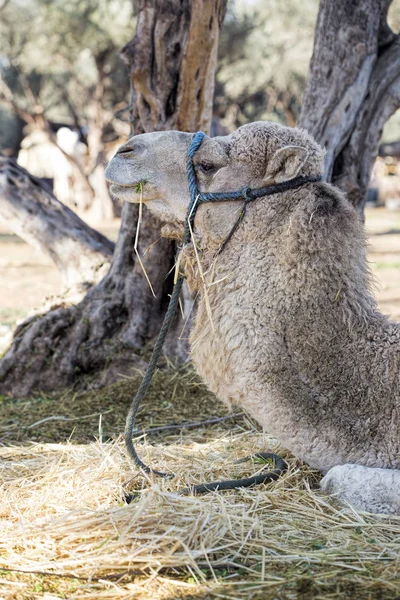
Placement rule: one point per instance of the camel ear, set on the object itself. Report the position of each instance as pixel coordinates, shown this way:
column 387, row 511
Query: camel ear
column 286, row 163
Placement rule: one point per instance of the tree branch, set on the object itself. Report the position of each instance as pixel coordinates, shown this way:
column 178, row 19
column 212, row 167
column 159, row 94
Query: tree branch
column 196, row 84
column 7, row 96
column 383, row 99
column 81, row 254
column 4, row 4
column 352, row 89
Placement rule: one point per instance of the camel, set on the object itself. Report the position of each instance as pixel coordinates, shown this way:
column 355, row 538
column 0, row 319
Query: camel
column 286, row 325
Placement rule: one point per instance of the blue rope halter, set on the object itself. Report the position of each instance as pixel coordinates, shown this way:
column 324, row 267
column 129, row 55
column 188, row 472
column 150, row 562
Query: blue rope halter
column 197, row 198
column 247, row 194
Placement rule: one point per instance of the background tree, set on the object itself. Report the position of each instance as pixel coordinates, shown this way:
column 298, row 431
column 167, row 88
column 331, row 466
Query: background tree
column 60, row 65
column 172, row 61
column 81, row 254
column 352, row 89
column 264, row 55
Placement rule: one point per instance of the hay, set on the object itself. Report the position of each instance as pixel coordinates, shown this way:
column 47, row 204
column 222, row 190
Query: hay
column 62, row 517
column 175, row 395
column 200, row 268
column 62, row 513
column 139, row 188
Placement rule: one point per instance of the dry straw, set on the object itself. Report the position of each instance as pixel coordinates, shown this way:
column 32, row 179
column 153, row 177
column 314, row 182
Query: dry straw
column 62, row 514
column 139, row 188
column 200, row 268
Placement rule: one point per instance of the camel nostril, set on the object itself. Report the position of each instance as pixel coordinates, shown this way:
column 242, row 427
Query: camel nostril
column 125, row 151
column 131, row 150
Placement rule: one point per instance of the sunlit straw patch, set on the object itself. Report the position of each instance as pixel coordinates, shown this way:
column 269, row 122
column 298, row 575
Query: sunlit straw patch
column 62, row 512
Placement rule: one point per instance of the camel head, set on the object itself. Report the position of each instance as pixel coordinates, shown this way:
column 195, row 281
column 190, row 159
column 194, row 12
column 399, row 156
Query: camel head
column 152, row 166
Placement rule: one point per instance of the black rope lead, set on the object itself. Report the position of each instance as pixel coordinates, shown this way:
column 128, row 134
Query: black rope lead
column 240, row 218
column 144, row 386
column 230, row 484
column 169, row 316
column 196, row 198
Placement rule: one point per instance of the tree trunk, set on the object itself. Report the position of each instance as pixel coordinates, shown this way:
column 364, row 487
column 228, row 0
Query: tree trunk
column 172, row 61
column 81, row 254
column 353, row 87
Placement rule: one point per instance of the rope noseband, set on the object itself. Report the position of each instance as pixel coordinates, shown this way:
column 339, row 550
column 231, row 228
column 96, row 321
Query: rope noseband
column 197, row 198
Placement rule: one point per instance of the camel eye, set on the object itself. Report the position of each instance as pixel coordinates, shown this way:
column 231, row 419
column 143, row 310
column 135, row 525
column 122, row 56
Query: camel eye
column 207, row 168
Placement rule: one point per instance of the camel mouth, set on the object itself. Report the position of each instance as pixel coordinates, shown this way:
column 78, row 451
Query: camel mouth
column 115, row 187
column 127, row 192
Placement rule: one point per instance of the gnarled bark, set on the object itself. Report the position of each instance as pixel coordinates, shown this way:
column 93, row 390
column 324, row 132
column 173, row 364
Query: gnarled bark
column 353, row 87
column 172, row 75
column 81, row 254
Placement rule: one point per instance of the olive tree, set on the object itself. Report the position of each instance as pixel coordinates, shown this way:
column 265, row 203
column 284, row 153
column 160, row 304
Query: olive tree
column 353, row 87
column 172, row 60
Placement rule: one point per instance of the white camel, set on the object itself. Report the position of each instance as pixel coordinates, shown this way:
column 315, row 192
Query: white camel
column 289, row 330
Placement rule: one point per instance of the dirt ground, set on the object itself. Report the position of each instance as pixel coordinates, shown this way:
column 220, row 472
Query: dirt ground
column 383, row 229
column 28, row 278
